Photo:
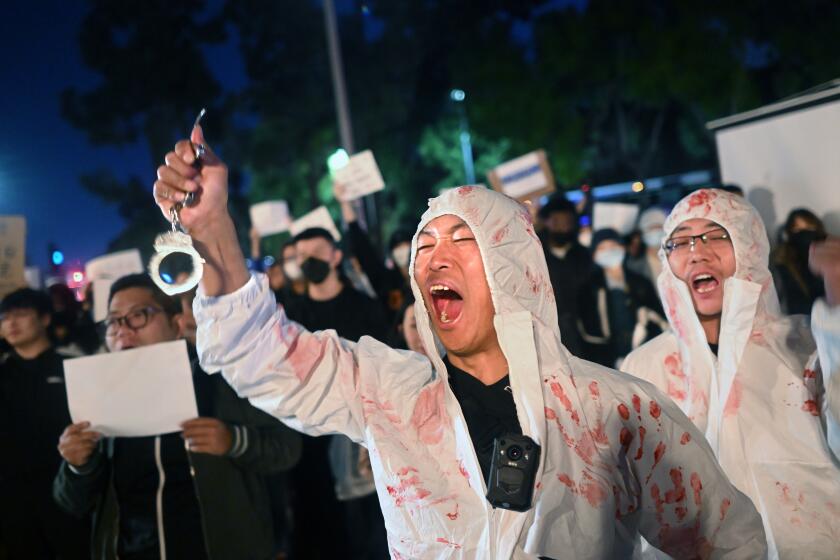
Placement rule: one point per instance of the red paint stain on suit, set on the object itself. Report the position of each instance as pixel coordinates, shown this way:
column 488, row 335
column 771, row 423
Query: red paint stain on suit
column 658, row 453
column 558, row 391
column 677, row 382
column 641, row 451
column 429, row 417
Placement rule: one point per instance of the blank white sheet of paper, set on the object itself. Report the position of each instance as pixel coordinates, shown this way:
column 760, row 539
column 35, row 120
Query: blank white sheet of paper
column 139, row 392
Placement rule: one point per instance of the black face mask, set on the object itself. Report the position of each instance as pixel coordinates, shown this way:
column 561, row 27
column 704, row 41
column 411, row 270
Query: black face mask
column 315, row 270
column 801, row 241
column 562, row 237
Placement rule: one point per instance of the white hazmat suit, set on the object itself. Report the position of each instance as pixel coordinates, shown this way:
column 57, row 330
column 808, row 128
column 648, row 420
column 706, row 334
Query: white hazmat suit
column 618, row 457
column 768, row 402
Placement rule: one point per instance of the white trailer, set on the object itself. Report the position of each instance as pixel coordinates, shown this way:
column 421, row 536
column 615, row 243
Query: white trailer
column 786, row 155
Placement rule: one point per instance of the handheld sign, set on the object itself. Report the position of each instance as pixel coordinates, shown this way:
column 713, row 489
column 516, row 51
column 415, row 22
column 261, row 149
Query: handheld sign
column 618, row 216
column 360, row 177
column 270, row 217
column 144, row 391
column 320, row 217
column 12, row 253
column 523, row 178
column 33, row 277
column 107, row 269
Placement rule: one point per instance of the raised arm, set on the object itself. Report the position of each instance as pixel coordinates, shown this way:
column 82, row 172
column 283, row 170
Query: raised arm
column 317, row 383
column 207, row 220
column 312, row 381
column 825, row 326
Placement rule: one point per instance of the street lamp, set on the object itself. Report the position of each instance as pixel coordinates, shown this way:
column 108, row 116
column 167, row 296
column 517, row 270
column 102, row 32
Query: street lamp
column 458, row 96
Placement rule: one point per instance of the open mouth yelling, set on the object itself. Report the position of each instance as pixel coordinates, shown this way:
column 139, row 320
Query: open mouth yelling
column 448, row 303
column 704, row 283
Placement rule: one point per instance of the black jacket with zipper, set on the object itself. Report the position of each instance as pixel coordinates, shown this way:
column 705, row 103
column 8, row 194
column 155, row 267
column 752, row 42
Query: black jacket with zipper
column 230, row 491
column 601, row 343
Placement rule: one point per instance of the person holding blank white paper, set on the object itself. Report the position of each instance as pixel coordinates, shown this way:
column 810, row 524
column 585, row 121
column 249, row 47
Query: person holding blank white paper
column 197, row 494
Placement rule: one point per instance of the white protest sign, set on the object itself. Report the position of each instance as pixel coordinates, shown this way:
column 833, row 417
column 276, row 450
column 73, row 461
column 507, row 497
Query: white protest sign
column 104, row 271
column 140, row 392
column 33, row 277
column 270, row 217
column 615, row 215
column 523, row 178
column 360, row 177
column 320, row 217
column 12, row 253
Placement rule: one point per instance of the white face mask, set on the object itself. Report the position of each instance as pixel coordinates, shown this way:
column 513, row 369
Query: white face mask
column 653, row 238
column 292, row 271
column 609, row 258
column 401, row 254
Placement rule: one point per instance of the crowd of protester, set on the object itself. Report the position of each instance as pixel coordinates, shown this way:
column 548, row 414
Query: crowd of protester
column 68, row 492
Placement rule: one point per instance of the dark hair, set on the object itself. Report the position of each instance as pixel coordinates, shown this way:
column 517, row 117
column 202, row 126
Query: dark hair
column 27, row 298
column 315, row 233
column 63, row 298
column 557, row 203
column 170, row 306
column 280, row 258
column 806, row 215
column 605, row 234
column 401, row 235
column 732, row 188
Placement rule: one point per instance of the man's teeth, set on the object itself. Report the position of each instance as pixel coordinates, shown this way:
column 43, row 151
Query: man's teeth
column 439, row 288
column 702, row 286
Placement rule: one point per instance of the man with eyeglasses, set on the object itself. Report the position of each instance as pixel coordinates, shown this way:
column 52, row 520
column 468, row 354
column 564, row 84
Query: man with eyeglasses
column 438, row 426
column 197, row 494
column 763, row 387
column 33, row 411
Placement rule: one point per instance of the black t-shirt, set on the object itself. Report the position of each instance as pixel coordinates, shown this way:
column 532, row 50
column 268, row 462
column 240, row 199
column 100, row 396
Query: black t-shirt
column 489, row 411
column 351, row 313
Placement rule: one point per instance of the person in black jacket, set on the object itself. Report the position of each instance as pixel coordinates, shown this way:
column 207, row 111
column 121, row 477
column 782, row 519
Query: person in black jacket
column 331, row 302
column 33, row 412
column 389, row 281
column 797, row 286
column 197, row 494
column 619, row 309
column 567, row 262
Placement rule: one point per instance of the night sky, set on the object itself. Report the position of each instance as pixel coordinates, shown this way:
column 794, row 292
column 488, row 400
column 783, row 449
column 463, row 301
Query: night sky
column 41, row 155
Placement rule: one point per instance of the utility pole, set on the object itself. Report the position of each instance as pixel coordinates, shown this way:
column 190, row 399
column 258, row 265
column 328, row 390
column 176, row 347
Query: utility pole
column 458, row 96
column 366, row 207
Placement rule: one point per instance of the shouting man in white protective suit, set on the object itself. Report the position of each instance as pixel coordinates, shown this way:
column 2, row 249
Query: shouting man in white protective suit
column 763, row 388
column 599, row 458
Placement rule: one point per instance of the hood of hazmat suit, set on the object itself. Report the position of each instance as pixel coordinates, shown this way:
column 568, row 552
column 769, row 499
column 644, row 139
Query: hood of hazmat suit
column 618, row 458
column 761, row 401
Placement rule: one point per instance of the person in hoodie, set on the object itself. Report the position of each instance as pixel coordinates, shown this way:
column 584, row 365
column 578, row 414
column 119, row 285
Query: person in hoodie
column 762, row 387
column 618, row 458
column 155, row 497
column 619, row 309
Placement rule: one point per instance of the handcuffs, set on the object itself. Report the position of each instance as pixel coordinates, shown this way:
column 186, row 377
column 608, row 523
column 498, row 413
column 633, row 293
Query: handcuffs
column 177, row 241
